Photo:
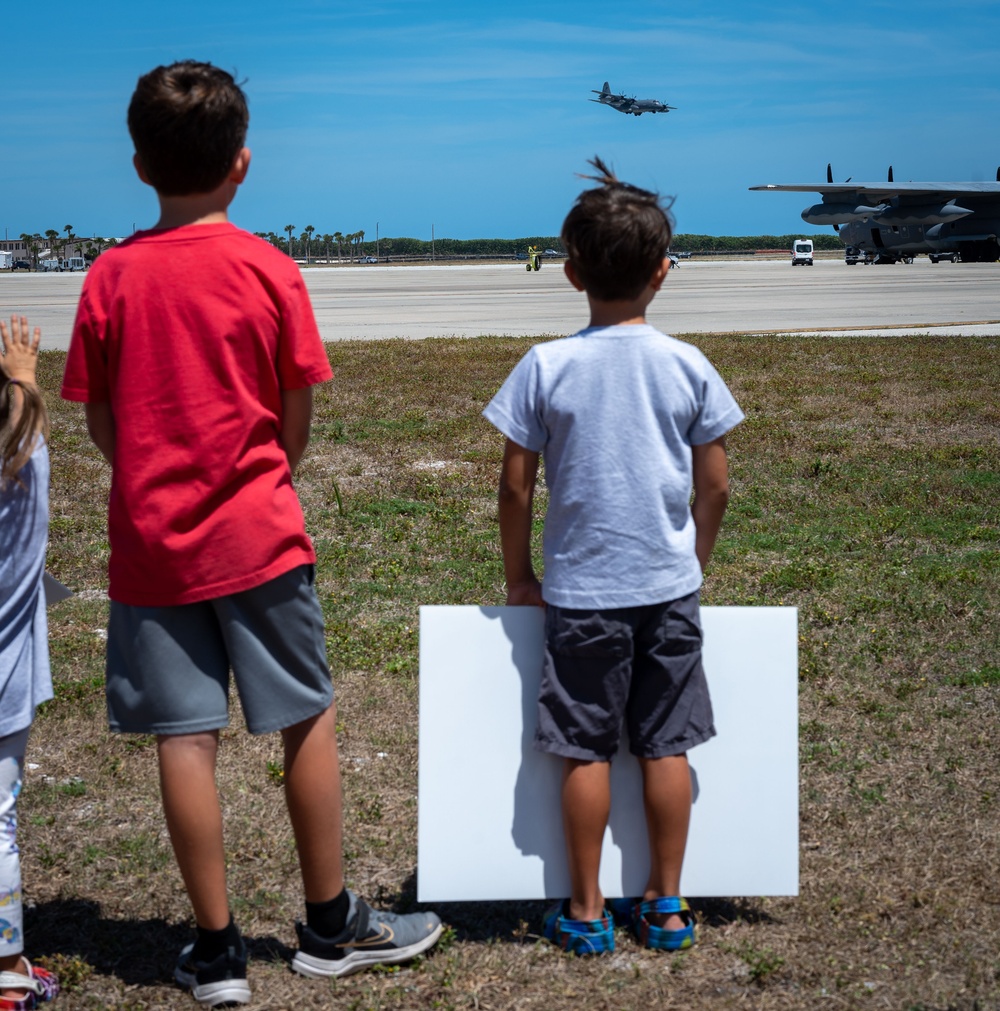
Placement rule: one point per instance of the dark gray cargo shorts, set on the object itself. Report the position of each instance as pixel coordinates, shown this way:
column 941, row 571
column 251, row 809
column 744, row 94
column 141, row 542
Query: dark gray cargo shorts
column 637, row 665
column 168, row 667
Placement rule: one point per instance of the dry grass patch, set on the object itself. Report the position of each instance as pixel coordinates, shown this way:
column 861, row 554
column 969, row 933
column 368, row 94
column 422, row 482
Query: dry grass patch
column 865, row 481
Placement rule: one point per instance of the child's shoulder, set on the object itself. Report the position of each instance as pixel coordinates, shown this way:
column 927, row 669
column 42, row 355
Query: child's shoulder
column 611, row 342
column 205, row 249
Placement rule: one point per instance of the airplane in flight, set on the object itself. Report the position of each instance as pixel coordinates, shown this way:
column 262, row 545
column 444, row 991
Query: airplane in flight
column 635, row 106
column 893, row 221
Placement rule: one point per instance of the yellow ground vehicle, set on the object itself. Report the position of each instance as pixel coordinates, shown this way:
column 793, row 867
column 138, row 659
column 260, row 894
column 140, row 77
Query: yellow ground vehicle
column 534, row 259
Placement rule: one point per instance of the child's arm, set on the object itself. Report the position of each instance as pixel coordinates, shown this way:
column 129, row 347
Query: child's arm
column 711, row 495
column 296, row 419
column 101, row 427
column 517, row 490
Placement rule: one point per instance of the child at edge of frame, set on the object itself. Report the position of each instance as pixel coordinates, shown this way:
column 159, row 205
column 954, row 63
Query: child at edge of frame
column 25, row 676
column 629, row 421
column 194, row 351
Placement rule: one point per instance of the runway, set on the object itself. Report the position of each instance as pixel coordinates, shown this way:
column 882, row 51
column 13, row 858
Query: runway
column 744, row 296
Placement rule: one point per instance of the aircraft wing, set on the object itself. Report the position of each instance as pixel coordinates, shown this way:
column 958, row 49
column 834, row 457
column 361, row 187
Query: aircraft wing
column 886, row 190
column 895, row 220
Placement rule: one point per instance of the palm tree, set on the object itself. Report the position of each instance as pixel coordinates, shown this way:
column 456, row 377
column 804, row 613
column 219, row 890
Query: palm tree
column 327, row 239
column 70, row 237
column 289, row 229
column 52, row 235
column 338, row 237
column 307, row 232
column 30, row 247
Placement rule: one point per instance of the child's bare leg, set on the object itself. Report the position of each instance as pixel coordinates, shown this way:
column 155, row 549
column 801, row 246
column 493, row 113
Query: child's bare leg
column 666, row 794
column 194, row 820
column 586, row 804
column 12, row 963
column 312, row 792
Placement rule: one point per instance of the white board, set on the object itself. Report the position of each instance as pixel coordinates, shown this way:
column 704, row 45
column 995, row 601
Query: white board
column 489, row 816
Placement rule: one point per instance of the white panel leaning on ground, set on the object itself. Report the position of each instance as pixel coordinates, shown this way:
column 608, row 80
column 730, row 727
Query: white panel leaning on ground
column 489, row 811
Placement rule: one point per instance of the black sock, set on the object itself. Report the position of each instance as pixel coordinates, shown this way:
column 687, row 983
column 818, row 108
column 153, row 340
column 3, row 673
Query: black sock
column 329, row 918
column 210, row 944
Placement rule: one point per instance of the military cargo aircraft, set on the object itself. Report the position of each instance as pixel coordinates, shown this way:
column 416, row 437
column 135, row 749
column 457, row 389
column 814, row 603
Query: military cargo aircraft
column 635, row 106
column 892, row 221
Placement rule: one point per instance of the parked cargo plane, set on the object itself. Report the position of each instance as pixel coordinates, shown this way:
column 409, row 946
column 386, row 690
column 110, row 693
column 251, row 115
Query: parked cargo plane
column 894, row 221
column 635, row 106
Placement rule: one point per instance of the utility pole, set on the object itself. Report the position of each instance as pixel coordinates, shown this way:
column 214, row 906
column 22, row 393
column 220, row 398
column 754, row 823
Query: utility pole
column 432, row 242
column 376, row 240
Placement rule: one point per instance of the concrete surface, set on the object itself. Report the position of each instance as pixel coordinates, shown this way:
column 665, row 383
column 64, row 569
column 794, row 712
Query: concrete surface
column 379, row 301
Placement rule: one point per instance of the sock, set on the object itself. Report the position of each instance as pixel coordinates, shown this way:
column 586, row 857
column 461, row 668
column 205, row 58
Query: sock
column 329, row 918
column 210, row 944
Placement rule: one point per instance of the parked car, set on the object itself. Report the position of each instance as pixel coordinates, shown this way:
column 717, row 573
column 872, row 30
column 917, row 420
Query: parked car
column 938, row 257
column 368, row 259
column 853, row 255
column 21, row 265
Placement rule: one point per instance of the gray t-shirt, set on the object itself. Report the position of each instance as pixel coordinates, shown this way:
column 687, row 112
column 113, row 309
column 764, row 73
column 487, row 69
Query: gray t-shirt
column 25, row 679
column 614, row 411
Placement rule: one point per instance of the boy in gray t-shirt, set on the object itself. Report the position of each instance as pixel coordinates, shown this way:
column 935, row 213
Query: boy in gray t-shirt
column 629, row 421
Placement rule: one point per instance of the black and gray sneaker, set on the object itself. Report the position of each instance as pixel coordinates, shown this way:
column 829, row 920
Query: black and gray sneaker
column 371, row 937
column 221, row 981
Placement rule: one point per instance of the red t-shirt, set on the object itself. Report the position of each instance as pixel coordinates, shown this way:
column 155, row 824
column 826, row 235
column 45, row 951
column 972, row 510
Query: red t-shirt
column 191, row 334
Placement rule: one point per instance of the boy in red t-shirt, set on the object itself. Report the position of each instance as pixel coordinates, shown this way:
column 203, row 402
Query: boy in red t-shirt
column 194, row 350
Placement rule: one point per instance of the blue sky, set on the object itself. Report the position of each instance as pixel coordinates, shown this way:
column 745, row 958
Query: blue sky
column 473, row 118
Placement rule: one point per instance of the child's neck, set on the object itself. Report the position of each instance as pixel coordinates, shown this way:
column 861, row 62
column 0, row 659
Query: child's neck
column 194, row 209
column 624, row 313
column 615, row 319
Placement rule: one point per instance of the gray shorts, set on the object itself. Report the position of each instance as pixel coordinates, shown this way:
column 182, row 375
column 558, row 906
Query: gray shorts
column 637, row 664
column 168, row 667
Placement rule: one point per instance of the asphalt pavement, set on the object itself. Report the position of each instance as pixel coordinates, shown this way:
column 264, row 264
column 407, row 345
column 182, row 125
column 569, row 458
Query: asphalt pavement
column 700, row 296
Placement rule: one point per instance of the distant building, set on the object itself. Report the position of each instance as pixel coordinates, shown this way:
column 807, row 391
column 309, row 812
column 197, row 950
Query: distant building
column 78, row 247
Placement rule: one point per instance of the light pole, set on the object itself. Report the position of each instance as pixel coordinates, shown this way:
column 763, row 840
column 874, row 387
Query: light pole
column 376, row 240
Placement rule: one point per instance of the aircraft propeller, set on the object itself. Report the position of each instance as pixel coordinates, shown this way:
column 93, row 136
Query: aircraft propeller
column 829, row 179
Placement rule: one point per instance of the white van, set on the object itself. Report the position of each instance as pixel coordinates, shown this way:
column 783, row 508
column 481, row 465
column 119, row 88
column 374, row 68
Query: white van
column 47, row 265
column 74, row 263
column 802, row 252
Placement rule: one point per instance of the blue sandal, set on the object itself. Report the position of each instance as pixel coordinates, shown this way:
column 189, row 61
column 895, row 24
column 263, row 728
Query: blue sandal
column 581, row 937
column 634, row 913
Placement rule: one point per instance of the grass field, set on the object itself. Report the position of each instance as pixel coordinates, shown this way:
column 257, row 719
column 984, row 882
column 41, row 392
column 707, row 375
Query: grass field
column 866, row 482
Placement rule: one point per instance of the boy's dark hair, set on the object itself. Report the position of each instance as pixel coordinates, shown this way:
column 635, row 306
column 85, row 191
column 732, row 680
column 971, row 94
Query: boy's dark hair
column 188, row 122
column 615, row 236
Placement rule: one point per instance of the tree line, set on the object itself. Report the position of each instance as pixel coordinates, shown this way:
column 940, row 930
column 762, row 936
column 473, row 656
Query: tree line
column 56, row 245
column 310, row 246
